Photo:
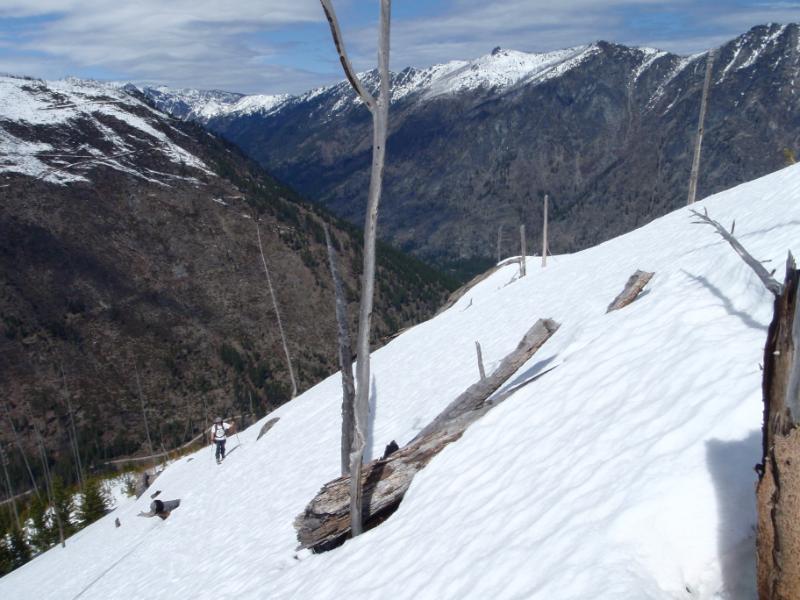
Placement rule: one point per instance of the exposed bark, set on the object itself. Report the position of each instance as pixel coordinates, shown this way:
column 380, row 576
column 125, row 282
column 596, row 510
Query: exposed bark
column 633, row 287
column 778, row 490
column 766, row 278
column 345, row 358
column 481, row 370
column 523, row 251
column 277, row 311
column 325, row 523
column 698, row 142
column 380, row 116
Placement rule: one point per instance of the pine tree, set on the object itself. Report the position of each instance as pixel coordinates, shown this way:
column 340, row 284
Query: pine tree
column 18, row 547
column 94, row 503
column 44, row 532
column 63, row 505
column 6, row 556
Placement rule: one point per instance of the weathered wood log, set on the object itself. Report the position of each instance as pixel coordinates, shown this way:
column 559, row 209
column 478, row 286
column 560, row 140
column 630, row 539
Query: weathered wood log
column 325, row 523
column 475, row 396
column 778, row 490
column 631, row 291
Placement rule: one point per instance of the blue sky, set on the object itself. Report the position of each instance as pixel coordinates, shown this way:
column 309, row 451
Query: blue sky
column 279, row 46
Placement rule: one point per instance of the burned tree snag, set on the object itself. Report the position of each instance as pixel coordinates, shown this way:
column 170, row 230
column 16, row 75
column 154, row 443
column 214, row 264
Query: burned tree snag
column 778, row 490
column 631, row 291
column 325, row 523
column 345, row 358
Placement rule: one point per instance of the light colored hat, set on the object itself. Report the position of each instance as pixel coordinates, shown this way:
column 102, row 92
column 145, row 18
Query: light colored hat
column 218, row 420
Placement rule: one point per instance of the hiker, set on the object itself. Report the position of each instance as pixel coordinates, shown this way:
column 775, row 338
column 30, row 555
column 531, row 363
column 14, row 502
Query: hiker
column 161, row 509
column 218, row 436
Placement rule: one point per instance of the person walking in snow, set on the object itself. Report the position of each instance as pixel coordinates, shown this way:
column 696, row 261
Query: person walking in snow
column 218, row 437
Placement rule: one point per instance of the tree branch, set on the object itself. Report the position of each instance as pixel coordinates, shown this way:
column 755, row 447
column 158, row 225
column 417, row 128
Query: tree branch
column 349, row 72
column 769, row 282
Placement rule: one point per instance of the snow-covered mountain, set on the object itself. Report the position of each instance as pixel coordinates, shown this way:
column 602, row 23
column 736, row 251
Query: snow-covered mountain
column 625, row 471
column 606, row 130
column 127, row 236
column 56, row 131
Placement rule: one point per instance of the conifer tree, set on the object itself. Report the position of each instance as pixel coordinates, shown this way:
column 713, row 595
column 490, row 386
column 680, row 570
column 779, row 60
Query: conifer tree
column 6, row 556
column 18, row 547
column 44, row 533
column 93, row 502
column 63, row 505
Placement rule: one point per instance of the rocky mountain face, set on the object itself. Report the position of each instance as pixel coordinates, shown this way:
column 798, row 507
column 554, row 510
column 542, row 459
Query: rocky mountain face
column 131, row 280
column 606, row 130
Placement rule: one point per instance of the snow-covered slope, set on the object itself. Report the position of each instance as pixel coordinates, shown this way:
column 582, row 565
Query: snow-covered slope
column 624, row 473
column 57, row 130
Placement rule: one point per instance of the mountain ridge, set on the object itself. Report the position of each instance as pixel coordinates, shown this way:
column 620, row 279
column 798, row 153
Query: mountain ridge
column 606, row 131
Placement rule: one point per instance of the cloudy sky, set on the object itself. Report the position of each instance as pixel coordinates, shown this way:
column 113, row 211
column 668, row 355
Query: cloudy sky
column 277, row 46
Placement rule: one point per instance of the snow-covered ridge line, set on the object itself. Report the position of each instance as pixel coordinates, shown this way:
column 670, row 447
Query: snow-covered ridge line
column 35, row 107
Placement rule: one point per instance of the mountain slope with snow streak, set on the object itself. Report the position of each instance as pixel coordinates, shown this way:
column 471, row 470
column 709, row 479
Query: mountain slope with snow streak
column 624, row 472
column 107, row 126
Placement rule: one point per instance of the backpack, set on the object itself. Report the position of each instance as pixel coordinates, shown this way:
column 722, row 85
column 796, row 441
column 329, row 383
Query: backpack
column 217, row 427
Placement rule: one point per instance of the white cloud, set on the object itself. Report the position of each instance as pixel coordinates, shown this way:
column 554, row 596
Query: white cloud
column 279, row 46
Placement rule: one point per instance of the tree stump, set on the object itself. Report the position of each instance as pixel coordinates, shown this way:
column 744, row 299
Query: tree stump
column 778, row 491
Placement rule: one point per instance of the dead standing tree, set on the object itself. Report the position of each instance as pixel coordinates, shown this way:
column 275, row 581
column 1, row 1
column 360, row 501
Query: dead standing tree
column 345, row 357
column 275, row 306
column 379, row 108
column 698, row 142
column 778, row 489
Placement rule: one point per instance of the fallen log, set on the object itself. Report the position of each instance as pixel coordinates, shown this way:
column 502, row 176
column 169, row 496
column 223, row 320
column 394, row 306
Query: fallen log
column 325, row 522
column 631, row 291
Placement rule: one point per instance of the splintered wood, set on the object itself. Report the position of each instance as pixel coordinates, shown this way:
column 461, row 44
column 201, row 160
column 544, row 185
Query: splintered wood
column 325, row 523
column 633, row 288
column 778, row 490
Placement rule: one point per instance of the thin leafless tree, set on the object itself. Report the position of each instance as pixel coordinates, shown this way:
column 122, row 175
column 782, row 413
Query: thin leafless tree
column 379, row 108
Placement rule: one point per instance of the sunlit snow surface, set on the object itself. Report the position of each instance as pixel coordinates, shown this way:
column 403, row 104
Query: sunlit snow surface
column 624, row 473
column 38, row 108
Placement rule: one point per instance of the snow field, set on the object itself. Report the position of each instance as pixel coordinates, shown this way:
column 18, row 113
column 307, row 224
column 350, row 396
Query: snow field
column 625, row 472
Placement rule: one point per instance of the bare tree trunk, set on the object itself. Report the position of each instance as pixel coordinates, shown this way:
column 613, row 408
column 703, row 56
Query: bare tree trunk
column 778, row 490
column 499, row 241
column 18, row 443
column 380, row 115
column 700, row 129
column 545, row 249
column 48, row 479
column 523, row 251
column 144, row 414
column 345, row 358
column 4, row 462
column 481, row 370
column 76, row 452
column 277, row 311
